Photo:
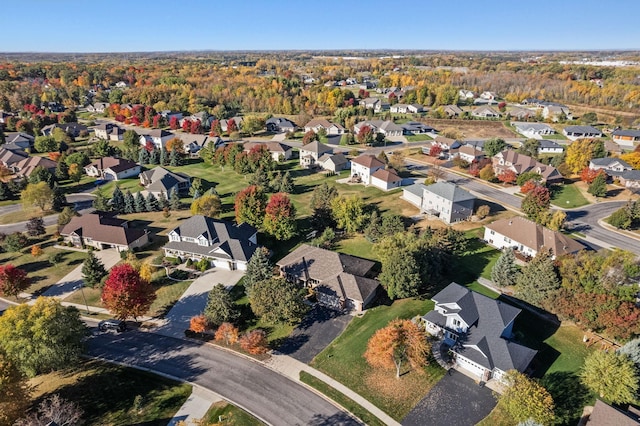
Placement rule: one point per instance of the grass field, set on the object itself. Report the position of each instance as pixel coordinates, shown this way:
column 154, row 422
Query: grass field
column 223, row 413
column 22, row 215
column 418, row 138
column 567, row 196
column 106, row 393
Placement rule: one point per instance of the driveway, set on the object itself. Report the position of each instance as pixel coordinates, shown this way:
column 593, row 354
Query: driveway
column 319, row 328
column 455, row 400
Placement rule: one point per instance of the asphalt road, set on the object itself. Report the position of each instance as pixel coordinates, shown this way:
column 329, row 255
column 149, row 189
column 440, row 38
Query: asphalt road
column 82, row 202
column 268, row 395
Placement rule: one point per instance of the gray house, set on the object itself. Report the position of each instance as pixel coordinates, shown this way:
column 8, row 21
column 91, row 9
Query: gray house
column 159, row 180
column 445, row 200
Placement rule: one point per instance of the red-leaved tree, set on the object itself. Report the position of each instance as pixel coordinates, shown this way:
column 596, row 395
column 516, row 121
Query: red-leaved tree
column 232, row 126
column 250, row 205
column 435, row 151
column 254, row 342
column 280, row 217
column 507, row 176
column 126, row 294
column 12, row 280
column 174, row 124
column 186, row 125
column 588, row 175
column 196, row 127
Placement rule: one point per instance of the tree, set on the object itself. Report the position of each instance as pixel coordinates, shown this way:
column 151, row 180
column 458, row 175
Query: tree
column 35, row 226
column 434, row 151
column 62, row 171
column 101, row 202
column 54, row 410
column 253, row 124
column 117, row 200
column 126, row 294
column 528, row 176
column 259, row 268
column 321, row 199
column 538, row 280
column 174, row 199
column 163, row 203
column 507, row 176
column 631, row 350
column 589, row 118
column 13, row 280
column 46, row 144
column 536, row 203
column 43, row 337
column 525, row 399
column 487, row 173
column 348, row 213
column 220, row 306
column 102, row 148
column 621, row 218
column 92, row 270
column 598, row 187
column 581, row 151
column 483, row 211
column 399, row 342
column 493, row 146
column 129, row 203
column 36, row 250
column 277, row 301
column 5, row 192
column 400, row 276
column 175, row 158
column 286, row 184
column 163, row 160
column 610, row 375
column 198, row 324
column 143, row 156
column 365, row 135
column 80, row 158
column 140, row 203
column 280, row 217
column 309, row 137
column 75, row 172
column 15, row 242
column 15, row 391
column 37, row 194
column 65, row 216
column 530, row 148
column 250, row 204
column 588, row 174
column 40, row 174
column 175, row 143
column 131, row 145
column 196, row 187
column 151, row 203
column 255, row 342
column 557, row 220
column 227, row 333
column 505, row 271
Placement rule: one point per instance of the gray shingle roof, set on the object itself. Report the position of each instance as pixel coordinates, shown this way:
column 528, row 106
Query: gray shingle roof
column 609, row 161
column 582, row 130
column 631, row 133
column 547, row 144
column 450, row 191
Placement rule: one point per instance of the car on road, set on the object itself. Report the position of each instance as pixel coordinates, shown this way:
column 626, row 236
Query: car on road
column 112, row 324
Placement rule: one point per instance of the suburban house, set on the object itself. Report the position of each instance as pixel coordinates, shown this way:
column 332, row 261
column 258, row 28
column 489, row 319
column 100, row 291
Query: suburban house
column 340, row 281
column 485, row 112
column 606, row 415
column 334, row 162
column 533, row 130
column 363, row 166
column 279, row 151
column 528, row 238
column 371, row 103
column 452, row 110
column 320, row 123
column 521, row 113
column 387, row 128
column 407, row 108
column 466, row 94
column 311, row 152
column 225, row 244
column 99, row 107
column 386, row 179
column 72, row 129
column 417, row 128
column 490, row 96
column 556, row 111
column 112, row 168
column 469, row 153
column 109, row 131
column 448, row 146
column 520, row 163
column 479, row 331
column 626, row 138
column 103, row 230
column 26, row 166
column 159, row 180
column 224, row 124
column 280, row 125
column 609, row 164
column 579, row 132
column 630, row 179
column 10, row 157
column 157, row 137
column 21, row 140
column 192, row 143
column 447, row 201
column 168, row 115
column 549, row 147
column 4, row 116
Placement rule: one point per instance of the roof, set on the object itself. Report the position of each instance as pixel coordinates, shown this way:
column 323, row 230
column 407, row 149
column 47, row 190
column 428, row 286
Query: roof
column 485, row 110
column 536, row 127
column 114, row 163
column 610, row 161
column 162, row 180
column 582, row 130
column 271, row 146
column 316, row 147
column 606, row 415
column 368, row 160
column 449, row 191
column 11, row 156
column 451, row 143
column 523, row 163
column 386, row 175
column 631, row 175
column 226, row 239
column 470, row 150
column 452, row 108
column 337, row 159
column 535, row 236
column 323, row 123
column 632, row 133
column 547, row 144
column 331, row 269
column 159, row 133
column 103, row 227
column 26, row 166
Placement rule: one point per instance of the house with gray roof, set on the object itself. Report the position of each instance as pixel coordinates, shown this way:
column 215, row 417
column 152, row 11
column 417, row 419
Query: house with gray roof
column 546, row 146
column 580, row 132
column 334, row 162
column 225, row 244
column 280, row 125
column 626, row 138
column 445, row 200
column 611, row 165
column 22, row 140
column 340, row 281
column 485, row 112
column 479, row 331
column 533, row 130
column 159, row 180
column 386, row 127
column 416, row 128
column 311, row 152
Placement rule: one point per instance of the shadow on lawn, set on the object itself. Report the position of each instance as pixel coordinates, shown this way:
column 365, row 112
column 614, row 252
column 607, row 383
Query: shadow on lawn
column 569, row 396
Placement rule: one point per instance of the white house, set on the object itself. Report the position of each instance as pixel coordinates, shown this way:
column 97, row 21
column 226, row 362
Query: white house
column 469, row 153
column 311, row 152
column 626, row 138
column 447, row 201
column 610, row 164
column 549, row 147
column 555, row 111
column 157, row 137
column 363, row 166
column 109, row 131
column 334, row 162
column 533, row 130
column 490, row 96
column 485, row 112
column 112, row 168
column 320, row 123
column 387, row 127
column 407, row 108
column 465, row 94
column 386, row 179
column 580, row 132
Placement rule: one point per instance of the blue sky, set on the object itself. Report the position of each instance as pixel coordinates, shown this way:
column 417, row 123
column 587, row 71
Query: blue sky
column 161, row 25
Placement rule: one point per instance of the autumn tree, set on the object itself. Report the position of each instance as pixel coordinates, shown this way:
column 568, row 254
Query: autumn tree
column 588, row 174
column 526, row 177
column 610, row 375
column 365, row 135
column 250, row 204
column 309, row 137
column 280, row 217
column 35, row 226
column 255, row 342
column 598, row 188
column 93, row 270
column 252, row 124
column 581, row 151
column 220, row 306
column 321, row 199
column 507, row 176
column 198, row 324
column 399, row 342
column 75, row 172
column 487, row 173
column 277, row 301
column 227, row 333
column 524, row 399
column 207, row 205
column 37, row 194
column 536, row 203
column 175, row 143
column 13, row 280
column 557, row 220
column 434, row 151
column 505, row 271
column 54, row 410
column 126, row 294
column 15, row 391
column 348, row 213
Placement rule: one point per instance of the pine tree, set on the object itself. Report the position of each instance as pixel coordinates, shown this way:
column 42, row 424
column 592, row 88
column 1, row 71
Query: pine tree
column 163, row 160
column 538, row 280
column 117, row 200
column 62, row 170
column 286, row 185
column 220, row 306
column 129, row 203
column 100, row 202
column 373, row 231
column 151, row 203
column 154, row 157
column 259, row 268
column 140, row 203
column 92, row 270
column 175, row 159
column 143, row 156
column 162, row 201
column 505, row 271
column 275, row 181
column 5, row 192
column 174, row 199
column 59, row 200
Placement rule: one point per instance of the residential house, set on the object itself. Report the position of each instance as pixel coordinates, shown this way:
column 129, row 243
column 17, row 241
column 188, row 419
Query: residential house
column 109, row 131
column 320, row 123
column 547, row 147
column 469, row 153
column 386, row 179
column 72, row 129
column 528, row 238
column 452, row 110
column 580, row 132
column 611, row 165
column 168, row 115
column 521, row 113
column 10, row 157
column 490, row 96
column 334, row 162
column 606, row 415
column 156, row 138
column 448, row 146
column 112, row 168
column 25, row 167
column 626, row 138
column 407, row 108
column 340, row 281
column 103, row 230
column 415, row 128
column 479, row 331
column 99, row 107
column 387, row 128
column 279, row 151
column 311, row 152
column 192, row 143
column 364, row 165
column 612, row 147
column 20, row 140
column 465, row 94
column 4, row 116
column 556, row 112
column 447, row 201
column 630, row 179
column 520, row 163
column 478, row 144
column 159, row 180
column 224, row 244
column 485, row 112
column 371, row 103
column 280, row 125
column 533, row 130
column 121, row 84
column 224, row 124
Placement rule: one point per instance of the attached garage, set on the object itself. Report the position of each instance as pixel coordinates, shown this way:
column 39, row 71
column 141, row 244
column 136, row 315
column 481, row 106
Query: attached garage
column 472, row 367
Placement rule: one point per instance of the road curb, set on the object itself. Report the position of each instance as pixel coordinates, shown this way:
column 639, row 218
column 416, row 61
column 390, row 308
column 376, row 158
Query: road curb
column 612, row 228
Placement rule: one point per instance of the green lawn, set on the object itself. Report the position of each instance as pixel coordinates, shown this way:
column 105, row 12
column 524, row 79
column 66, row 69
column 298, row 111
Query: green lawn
column 106, row 393
column 418, row 138
column 567, row 196
column 477, row 261
column 223, row 413
column 358, row 246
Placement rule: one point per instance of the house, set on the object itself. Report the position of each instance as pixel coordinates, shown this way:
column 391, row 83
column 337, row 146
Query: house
column 4, row 116
column 485, row 112
column 415, row 128
column 109, row 131
column 387, row 128
column 579, row 132
column 447, row 201
column 99, row 107
column 627, row 138
column 606, row 415
column 610, row 164
column 279, row 151
column 556, row 112
column 311, row 152
column 103, row 230
column 340, row 281
column 121, row 84
column 469, row 153
column 168, row 115
column 386, row 179
column 156, row 138
column 192, row 143
column 407, row 108
column 520, row 163
column 533, row 130
column 224, row 244
column 112, row 168
column 528, row 237
column 21, row 140
column 448, row 146
column 72, row 129
column 224, row 124
column 363, row 166
column 465, row 94
column 26, row 166
column 320, row 123
column 159, row 180
column 371, row 103
column 452, row 110
column 280, row 125
column 549, row 147
column 334, row 162
column 10, row 157
column 490, row 96
column 630, row 179
column 479, row 331
column 521, row 113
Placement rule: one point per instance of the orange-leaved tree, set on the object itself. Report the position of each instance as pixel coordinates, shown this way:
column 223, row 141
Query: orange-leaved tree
column 227, row 333
column 126, row 294
column 12, row 280
column 198, row 324
column 254, row 342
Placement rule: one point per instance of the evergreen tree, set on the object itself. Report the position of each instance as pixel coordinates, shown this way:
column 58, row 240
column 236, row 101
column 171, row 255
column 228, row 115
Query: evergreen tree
column 260, row 178
column 143, row 156
column 117, row 200
column 140, row 203
column 373, row 231
column 598, row 187
column 220, row 306
column 196, row 194
column 5, row 192
column 129, row 203
column 505, row 271
column 175, row 159
column 151, row 203
column 196, row 186
column 92, row 270
column 154, row 157
column 286, row 185
column 259, row 268
column 163, row 160
column 62, row 170
column 59, row 200
column 100, row 202
column 162, row 201
column 174, row 199
column 321, row 205
column 275, row 181
column 538, row 280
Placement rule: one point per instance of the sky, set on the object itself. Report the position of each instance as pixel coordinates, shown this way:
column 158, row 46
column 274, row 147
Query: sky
column 178, row 25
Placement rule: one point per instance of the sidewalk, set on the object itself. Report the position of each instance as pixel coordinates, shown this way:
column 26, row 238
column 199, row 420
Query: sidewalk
column 196, row 406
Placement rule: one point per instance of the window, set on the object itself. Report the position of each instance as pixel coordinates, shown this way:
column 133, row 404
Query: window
column 456, row 322
column 492, row 233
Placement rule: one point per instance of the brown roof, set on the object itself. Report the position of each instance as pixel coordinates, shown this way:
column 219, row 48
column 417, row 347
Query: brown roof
column 530, row 234
column 470, row 150
column 113, row 163
column 368, row 160
column 523, row 163
column 445, row 141
column 10, row 157
column 386, row 175
column 606, row 415
column 26, row 166
column 103, row 227
column 322, row 122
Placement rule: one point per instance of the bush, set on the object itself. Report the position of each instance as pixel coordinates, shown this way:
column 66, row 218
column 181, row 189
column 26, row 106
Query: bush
column 55, row 258
column 15, row 242
column 203, row 265
column 483, row 211
column 621, row 218
column 124, row 254
column 189, row 262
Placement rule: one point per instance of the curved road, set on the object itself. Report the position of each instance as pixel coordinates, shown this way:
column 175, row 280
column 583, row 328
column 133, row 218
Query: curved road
column 80, row 201
column 266, row 394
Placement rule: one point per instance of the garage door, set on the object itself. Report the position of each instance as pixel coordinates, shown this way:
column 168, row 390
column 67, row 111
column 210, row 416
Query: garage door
column 470, row 366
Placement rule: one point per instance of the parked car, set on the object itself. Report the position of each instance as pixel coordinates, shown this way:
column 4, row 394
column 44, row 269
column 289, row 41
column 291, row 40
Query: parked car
column 112, row 324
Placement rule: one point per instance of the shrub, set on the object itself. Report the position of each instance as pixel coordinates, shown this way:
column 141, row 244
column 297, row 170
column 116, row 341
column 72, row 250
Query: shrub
column 621, row 218
column 254, row 342
column 203, row 265
column 15, row 242
column 483, row 211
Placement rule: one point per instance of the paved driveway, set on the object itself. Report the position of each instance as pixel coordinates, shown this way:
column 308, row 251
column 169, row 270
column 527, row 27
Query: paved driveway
column 314, row 333
column 456, row 400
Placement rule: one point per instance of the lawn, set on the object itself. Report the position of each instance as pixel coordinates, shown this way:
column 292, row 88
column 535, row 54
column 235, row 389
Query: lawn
column 106, row 393
column 358, row 246
column 343, row 361
column 225, row 414
column 567, row 196
column 418, row 138
column 477, row 261
column 22, row 215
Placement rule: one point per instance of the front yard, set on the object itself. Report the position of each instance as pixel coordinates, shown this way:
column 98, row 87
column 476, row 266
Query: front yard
column 567, row 196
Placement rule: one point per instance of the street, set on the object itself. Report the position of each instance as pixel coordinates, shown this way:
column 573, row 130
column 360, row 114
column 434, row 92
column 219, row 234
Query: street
column 81, row 203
